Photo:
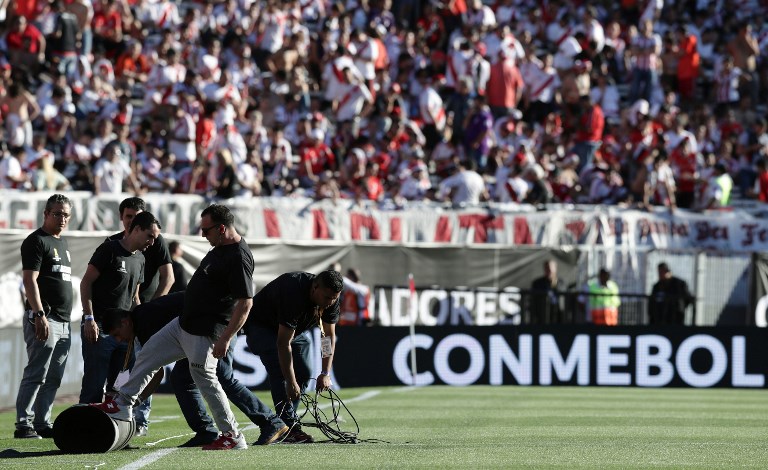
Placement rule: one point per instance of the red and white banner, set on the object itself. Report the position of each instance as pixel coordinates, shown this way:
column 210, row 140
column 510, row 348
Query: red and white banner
column 300, row 219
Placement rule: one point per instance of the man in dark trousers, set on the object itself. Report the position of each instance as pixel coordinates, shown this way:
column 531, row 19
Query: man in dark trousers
column 149, row 318
column 158, row 278
column 217, row 302
column 545, row 299
column 111, row 280
column 277, row 330
column 669, row 299
column 46, row 274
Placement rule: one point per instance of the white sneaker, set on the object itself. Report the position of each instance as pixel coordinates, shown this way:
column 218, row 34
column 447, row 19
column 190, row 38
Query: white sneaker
column 141, row 431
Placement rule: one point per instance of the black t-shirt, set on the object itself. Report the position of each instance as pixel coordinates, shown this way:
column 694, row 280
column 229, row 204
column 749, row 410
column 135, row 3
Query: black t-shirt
column 66, row 24
column 285, row 301
column 151, row 317
column 156, row 255
column 179, row 277
column 120, row 271
column 224, row 275
column 49, row 256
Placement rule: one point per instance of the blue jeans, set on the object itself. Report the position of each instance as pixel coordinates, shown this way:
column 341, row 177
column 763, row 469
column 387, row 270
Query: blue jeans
column 102, row 362
column 263, row 343
column 192, row 404
column 641, row 85
column 42, row 374
column 586, row 152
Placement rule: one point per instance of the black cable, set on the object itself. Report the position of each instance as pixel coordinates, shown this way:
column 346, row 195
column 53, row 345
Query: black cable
column 328, row 423
column 330, row 427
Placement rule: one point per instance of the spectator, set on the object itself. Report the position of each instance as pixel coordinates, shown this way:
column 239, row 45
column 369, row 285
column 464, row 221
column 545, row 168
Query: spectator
column 645, row 50
column 179, row 273
column 111, row 174
column 464, row 186
column 591, row 123
column 26, row 45
column 505, row 85
column 718, row 189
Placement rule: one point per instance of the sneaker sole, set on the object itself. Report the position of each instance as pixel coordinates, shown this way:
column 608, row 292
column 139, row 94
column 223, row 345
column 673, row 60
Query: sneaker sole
column 275, row 437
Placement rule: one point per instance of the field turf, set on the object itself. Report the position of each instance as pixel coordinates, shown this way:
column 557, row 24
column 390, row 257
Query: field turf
column 467, row 428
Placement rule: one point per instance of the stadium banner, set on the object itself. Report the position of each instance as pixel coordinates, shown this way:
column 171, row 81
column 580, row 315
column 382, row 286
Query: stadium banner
column 558, row 355
column 303, row 219
column 578, row 355
column 494, row 268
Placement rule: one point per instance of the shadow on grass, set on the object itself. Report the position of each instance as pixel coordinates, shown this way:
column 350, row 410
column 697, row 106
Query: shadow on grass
column 16, row 454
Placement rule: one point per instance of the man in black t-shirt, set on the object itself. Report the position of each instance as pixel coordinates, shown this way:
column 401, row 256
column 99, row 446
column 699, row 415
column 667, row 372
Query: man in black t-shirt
column 669, row 299
column 282, row 314
column 46, row 274
column 158, row 278
column 111, row 280
column 145, row 321
column 216, row 304
column 158, row 268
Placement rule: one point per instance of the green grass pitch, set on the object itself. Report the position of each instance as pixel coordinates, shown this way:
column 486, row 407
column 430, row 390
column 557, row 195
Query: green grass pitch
column 467, row 428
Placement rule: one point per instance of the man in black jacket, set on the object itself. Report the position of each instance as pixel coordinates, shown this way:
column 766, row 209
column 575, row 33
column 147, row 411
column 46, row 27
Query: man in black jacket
column 669, row 299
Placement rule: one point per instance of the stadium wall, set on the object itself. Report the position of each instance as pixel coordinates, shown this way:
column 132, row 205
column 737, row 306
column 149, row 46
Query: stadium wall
column 573, row 355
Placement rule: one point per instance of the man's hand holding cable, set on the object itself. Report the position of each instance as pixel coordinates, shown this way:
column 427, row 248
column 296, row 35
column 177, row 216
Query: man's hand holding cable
column 323, row 382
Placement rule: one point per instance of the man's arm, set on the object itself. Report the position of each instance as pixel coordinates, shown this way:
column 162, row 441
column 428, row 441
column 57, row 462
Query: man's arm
column 239, row 315
column 90, row 328
column 285, row 356
column 165, row 281
column 31, row 290
column 324, row 379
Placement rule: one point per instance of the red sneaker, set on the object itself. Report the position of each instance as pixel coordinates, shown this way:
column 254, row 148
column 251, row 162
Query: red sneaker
column 115, row 411
column 227, row 441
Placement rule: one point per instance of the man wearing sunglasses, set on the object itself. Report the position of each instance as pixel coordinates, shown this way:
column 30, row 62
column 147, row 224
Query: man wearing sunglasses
column 46, row 274
column 216, row 304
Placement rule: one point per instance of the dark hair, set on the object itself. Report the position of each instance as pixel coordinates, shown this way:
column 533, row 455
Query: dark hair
column 331, row 280
column 219, row 214
column 663, row 266
column 145, row 221
column 57, row 199
column 135, row 203
column 112, row 318
column 173, row 245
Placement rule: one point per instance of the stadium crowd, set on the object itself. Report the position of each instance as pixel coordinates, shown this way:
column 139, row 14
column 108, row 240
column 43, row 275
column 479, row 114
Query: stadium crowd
column 641, row 102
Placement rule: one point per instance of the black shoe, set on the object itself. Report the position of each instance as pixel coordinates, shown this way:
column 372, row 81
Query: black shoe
column 46, row 433
column 26, row 433
column 201, row 439
column 271, row 435
column 297, row 436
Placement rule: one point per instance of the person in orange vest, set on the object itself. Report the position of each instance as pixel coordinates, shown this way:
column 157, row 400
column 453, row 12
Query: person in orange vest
column 355, row 299
column 603, row 300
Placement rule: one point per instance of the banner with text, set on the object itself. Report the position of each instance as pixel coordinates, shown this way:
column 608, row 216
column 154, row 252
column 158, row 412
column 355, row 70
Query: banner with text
column 509, row 224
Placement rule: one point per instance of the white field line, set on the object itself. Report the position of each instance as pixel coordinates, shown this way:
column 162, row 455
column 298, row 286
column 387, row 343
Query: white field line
column 149, row 458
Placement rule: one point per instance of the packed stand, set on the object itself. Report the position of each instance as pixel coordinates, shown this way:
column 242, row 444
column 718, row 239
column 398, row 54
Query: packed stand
column 634, row 102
